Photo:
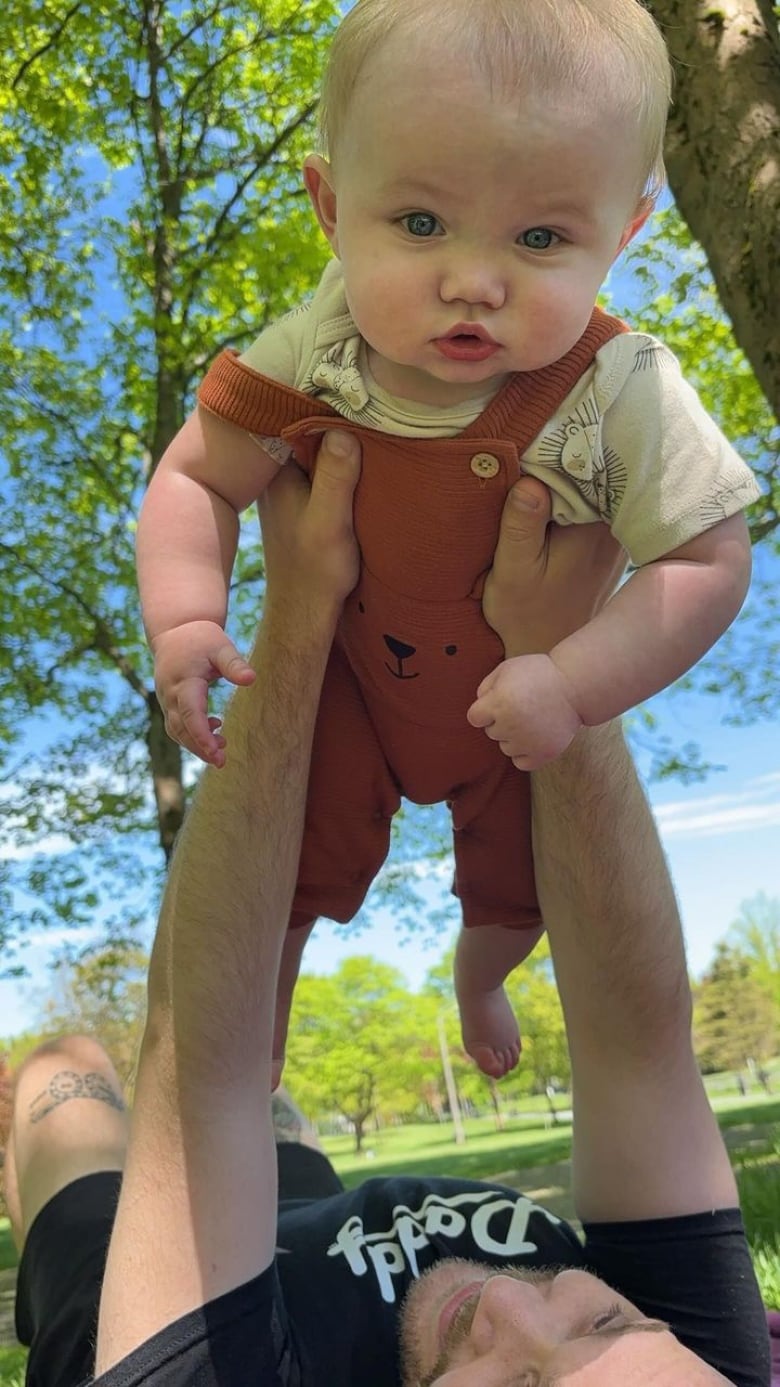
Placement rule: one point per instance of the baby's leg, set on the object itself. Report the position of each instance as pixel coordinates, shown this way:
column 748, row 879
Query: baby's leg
column 292, row 952
column 484, row 958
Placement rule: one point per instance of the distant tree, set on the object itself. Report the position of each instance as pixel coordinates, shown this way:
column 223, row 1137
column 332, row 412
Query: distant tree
column 756, row 934
column 734, row 1019
column 545, row 1052
column 6, row 1095
column 101, row 990
column 357, row 1045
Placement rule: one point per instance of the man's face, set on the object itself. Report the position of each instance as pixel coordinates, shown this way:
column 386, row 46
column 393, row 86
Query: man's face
column 469, row 1325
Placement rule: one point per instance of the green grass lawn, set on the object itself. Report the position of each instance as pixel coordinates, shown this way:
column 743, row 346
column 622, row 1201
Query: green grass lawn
column 12, row 1361
column 7, row 1247
column 428, row 1149
column 12, row 1358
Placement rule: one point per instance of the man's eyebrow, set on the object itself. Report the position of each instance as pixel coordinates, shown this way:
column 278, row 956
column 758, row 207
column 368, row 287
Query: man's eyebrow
column 612, row 1331
column 627, row 1326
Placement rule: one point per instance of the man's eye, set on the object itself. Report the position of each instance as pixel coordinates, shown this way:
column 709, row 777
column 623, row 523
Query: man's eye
column 420, row 224
column 538, row 238
column 615, row 1312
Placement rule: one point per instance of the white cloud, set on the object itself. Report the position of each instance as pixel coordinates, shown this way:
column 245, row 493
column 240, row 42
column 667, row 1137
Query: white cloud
column 757, row 806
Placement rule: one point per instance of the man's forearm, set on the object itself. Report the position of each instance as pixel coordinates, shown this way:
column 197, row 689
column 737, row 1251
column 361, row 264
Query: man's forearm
column 645, row 1144
column 231, row 883
column 602, row 874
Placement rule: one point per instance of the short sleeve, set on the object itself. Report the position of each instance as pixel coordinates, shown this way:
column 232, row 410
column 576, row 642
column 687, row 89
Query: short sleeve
column 673, row 473
column 212, row 1345
column 278, row 351
column 695, row 1273
column 285, row 350
column 632, row 445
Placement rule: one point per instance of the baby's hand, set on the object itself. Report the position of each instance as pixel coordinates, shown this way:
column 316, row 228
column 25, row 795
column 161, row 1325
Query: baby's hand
column 526, row 705
column 186, row 660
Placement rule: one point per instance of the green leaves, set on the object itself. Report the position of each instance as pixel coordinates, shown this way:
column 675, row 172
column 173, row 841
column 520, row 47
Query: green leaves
column 150, row 211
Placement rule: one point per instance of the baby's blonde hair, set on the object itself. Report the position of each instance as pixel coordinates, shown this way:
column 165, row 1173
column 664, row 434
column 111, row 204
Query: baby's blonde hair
column 606, row 50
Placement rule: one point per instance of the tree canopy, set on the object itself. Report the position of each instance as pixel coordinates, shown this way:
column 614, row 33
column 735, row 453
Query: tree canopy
column 152, row 213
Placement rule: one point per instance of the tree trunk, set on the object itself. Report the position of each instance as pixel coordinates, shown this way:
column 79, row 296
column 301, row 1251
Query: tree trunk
column 166, row 763
column 549, row 1095
column 495, row 1100
column 723, row 160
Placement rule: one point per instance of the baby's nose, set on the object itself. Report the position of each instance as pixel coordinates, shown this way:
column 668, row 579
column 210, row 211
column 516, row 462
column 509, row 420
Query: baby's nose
column 470, row 279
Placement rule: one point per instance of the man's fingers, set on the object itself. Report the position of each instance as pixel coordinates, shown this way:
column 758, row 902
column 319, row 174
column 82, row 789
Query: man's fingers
column 521, row 540
column 338, row 468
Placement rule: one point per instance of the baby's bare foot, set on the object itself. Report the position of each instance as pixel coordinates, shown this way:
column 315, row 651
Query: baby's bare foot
column 490, row 1031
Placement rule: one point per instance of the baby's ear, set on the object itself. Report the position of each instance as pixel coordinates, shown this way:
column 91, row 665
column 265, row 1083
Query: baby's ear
column 644, row 208
column 318, row 179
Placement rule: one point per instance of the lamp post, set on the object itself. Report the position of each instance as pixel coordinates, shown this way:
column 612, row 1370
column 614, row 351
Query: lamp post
column 449, row 1084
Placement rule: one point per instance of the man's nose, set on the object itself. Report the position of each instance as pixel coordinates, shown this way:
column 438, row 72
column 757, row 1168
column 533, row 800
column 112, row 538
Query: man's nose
column 469, row 278
column 515, row 1314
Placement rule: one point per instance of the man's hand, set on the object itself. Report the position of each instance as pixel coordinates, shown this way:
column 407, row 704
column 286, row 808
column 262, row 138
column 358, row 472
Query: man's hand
column 526, row 706
column 187, row 659
column 547, row 580
column 311, row 554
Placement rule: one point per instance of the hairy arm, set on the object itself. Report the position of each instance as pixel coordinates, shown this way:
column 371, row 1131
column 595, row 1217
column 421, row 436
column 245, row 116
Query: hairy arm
column 198, row 1209
column 645, row 1142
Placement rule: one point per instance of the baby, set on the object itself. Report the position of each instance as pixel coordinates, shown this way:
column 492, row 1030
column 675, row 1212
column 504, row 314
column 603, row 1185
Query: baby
column 483, row 164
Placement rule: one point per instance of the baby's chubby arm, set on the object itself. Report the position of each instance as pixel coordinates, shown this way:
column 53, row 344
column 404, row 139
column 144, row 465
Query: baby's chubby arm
column 654, row 629
column 185, row 550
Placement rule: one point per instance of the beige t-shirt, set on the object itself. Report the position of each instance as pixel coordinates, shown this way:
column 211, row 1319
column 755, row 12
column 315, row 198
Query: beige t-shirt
column 631, row 444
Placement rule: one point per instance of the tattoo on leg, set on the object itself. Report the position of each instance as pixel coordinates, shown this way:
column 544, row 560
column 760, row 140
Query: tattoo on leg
column 68, row 1084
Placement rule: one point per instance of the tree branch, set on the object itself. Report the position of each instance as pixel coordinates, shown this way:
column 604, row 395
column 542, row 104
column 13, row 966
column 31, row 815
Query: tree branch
column 46, row 47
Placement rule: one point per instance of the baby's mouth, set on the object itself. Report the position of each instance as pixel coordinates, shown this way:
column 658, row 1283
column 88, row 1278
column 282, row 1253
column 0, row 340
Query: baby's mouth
column 463, row 344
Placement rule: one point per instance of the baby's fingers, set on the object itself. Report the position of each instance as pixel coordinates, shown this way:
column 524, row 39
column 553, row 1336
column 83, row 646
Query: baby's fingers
column 191, row 727
column 231, row 665
column 480, row 713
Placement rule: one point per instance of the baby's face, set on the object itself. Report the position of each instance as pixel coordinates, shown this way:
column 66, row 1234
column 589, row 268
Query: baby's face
column 474, row 231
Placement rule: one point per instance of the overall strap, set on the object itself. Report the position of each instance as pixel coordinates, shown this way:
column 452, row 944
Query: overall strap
column 253, row 402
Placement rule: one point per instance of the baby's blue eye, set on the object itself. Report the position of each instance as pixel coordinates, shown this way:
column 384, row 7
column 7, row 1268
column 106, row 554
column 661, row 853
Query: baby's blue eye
column 420, row 224
column 538, row 238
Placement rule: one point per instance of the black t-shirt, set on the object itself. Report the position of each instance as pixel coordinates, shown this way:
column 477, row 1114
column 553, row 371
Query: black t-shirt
column 325, row 1313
